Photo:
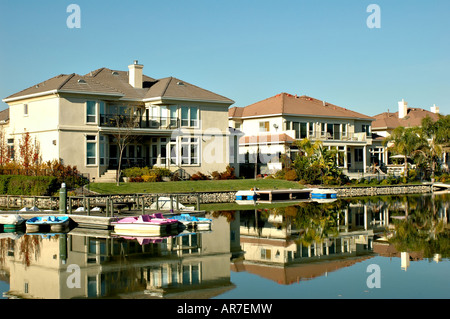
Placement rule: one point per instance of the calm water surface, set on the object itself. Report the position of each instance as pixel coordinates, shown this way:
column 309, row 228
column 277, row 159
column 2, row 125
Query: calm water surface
column 378, row 247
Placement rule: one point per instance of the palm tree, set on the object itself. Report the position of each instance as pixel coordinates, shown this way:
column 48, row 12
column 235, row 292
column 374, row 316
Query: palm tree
column 438, row 135
column 406, row 141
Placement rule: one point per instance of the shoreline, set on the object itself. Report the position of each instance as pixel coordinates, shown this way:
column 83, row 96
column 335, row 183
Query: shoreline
column 211, row 197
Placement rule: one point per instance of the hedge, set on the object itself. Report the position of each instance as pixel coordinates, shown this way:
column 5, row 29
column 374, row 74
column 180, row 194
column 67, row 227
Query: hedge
column 28, row 185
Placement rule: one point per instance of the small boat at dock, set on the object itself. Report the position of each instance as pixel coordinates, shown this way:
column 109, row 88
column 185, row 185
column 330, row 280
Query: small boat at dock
column 11, row 221
column 246, row 197
column 145, row 224
column 56, row 223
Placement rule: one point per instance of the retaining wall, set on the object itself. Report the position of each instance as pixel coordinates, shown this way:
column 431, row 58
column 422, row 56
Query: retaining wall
column 47, row 202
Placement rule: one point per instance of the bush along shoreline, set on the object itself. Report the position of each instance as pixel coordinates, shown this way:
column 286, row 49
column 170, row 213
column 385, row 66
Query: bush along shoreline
column 28, row 185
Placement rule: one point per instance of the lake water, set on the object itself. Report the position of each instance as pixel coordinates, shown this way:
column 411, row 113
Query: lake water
column 368, row 248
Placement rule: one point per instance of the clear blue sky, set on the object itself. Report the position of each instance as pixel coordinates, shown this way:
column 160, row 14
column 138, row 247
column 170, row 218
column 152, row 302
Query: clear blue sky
column 247, row 50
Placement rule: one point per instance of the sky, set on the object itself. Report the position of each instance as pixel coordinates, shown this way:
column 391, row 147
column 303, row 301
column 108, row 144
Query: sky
column 246, row 50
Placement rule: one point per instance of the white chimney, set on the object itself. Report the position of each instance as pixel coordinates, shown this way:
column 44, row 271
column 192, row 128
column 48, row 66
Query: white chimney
column 135, row 75
column 402, row 109
column 435, row 109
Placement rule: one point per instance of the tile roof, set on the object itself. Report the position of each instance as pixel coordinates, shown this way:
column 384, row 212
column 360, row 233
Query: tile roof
column 414, row 117
column 114, row 82
column 289, row 104
column 4, row 115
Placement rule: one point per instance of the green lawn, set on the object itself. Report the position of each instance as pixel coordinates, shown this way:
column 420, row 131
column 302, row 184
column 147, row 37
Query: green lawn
column 191, row 186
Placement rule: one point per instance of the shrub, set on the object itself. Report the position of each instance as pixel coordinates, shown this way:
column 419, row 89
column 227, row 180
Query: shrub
column 199, row 176
column 291, row 175
column 29, row 185
column 137, row 179
column 227, row 174
column 150, row 178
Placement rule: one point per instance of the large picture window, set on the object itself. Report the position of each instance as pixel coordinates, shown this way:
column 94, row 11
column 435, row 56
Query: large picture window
column 190, row 150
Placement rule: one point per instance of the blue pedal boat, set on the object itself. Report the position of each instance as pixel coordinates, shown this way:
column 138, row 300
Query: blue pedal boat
column 188, row 220
column 56, row 223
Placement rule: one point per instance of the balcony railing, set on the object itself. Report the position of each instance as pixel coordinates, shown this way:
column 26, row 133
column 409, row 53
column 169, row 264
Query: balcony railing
column 115, row 120
column 336, row 136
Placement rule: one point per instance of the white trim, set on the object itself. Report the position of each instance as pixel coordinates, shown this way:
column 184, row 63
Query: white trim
column 29, row 96
column 185, row 100
column 300, row 115
column 24, row 97
column 90, row 93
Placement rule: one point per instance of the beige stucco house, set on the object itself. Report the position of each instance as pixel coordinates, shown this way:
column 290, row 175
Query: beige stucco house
column 78, row 118
column 272, row 125
column 386, row 122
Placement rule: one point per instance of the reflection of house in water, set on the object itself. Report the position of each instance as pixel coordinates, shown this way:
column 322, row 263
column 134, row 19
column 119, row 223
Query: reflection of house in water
column 275, row 249
column 197, row 264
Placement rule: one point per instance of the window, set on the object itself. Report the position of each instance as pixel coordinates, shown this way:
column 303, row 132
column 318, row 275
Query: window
column 101, row 107
column 102, row 150
column 164, row 116
column 11, row 148
column 300, row 129
column 358, row 154
column 173, row 116
column 264, row 126
column 303, row 128
column 323, row 131
column 25, row 110
column 366, row 129
column 310, row 129
column 91, row 150
column 184, row 116
column 190, row 150
column 193, row 116
column 344, row 129
column 265, row 253
column 90, row 112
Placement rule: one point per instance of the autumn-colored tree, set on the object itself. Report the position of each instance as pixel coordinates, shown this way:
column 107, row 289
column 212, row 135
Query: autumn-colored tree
column 29, row 151
column 4, row 153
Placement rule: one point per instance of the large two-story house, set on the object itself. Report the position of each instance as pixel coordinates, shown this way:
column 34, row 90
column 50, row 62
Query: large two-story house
column 272, row 125
column 78, row 119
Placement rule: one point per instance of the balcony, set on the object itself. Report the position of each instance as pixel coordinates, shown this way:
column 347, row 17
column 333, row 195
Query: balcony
column 127, row 121
column 336, row 136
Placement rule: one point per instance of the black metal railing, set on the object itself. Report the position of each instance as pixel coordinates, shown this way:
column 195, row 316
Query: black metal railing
column 121, row 121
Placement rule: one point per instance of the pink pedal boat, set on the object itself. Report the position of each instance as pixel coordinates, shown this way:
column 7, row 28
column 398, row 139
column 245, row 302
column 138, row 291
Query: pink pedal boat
column 154, row 224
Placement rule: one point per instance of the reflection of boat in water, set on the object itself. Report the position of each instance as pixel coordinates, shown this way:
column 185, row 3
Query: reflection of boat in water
column 144, row 240
column 190, row 221
column 323, row 193
column 145, row 224
column 56, row 223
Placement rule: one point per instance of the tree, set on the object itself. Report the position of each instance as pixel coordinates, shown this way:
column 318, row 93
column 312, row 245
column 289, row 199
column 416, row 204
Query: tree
column 123, row 135
column 4, row 154
column 29, row 151
column 315, row 162
column 405, row 141
column 438, row 135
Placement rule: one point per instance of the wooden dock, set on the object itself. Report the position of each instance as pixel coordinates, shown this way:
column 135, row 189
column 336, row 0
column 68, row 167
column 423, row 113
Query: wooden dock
column 273, row 195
